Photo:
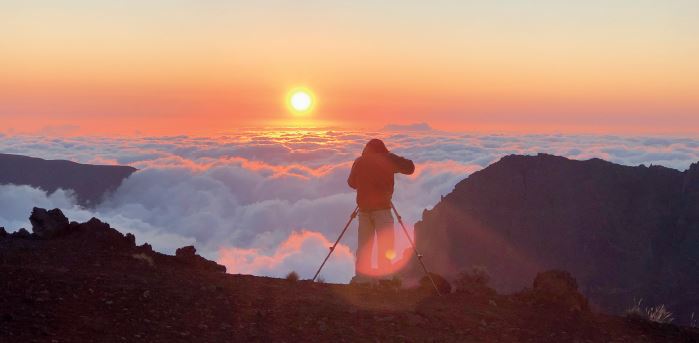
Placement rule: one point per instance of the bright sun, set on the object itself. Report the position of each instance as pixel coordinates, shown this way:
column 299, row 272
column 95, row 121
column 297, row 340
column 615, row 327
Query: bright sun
column 300, row 101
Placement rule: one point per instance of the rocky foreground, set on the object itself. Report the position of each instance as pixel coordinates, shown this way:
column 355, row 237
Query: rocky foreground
column 70, row 282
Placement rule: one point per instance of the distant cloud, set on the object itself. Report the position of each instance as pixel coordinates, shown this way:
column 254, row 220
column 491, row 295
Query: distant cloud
column 408, row 127
column 58, row 130
column 248, row 198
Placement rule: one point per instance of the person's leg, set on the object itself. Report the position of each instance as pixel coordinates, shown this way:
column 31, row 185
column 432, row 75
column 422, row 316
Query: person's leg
column 383, row 221
column 365, row 243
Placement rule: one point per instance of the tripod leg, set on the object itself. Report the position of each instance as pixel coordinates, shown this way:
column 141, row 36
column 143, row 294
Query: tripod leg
column 332, row 248
column 419, row 256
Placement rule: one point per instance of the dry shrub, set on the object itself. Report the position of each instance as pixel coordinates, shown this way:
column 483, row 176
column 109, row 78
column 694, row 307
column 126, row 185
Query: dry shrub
column 659, row 314
column 635, row 311
column 145, row 258
column 293, row 276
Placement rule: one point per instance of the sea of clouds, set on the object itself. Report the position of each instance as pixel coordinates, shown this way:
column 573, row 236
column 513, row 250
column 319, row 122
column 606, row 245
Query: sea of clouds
column 267, row 202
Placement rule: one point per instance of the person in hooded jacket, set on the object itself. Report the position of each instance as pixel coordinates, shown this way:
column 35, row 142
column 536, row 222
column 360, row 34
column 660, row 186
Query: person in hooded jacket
column 372, row 176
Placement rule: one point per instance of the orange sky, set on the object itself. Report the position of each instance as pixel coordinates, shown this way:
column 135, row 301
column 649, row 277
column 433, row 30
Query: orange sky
column 164, row 67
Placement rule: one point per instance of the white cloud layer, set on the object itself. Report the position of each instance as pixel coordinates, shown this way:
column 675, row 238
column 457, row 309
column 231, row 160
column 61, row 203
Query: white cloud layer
column 250, row 197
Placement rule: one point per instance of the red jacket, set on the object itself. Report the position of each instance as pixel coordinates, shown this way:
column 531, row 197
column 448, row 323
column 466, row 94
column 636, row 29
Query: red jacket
column 372, row 177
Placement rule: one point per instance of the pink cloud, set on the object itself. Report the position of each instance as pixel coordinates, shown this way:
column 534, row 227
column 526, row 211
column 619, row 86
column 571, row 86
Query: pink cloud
column 301, row 252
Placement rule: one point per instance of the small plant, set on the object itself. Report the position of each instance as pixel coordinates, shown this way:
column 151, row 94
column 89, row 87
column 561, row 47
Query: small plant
column 693, row 321
column 659, row 314
column 320, row 279
column 293, row 277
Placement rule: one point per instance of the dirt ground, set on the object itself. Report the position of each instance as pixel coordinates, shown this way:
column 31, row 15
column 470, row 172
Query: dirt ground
column 71, row 290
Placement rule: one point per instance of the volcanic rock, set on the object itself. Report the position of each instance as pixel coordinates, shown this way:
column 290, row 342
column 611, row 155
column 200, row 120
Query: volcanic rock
column 186, row 252
column 98, row 233
column 130, row 239
column 21, row 233
column 48, row 224
column 188, row 256
column 145, row 247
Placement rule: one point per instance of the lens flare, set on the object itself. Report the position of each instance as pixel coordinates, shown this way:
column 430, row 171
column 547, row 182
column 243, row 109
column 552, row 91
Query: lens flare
column 383, row 263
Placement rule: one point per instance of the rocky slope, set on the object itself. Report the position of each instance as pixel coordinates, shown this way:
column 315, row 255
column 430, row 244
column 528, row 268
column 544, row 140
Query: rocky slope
column 90, row 182
column 624, row 232
column 70, row 282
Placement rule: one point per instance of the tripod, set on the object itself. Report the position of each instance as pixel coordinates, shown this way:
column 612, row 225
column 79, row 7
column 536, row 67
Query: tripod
column 400, row 220
column 332, row 248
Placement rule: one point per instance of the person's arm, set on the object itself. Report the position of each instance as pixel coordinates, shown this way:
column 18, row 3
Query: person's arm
column 352, row 179
column 402, row 164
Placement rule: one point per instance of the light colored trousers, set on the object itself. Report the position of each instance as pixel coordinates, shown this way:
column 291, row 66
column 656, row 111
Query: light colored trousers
column 375, row 226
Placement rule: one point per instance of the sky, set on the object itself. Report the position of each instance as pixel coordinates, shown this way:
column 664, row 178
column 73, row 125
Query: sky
column 270, row 202
column 174, row 67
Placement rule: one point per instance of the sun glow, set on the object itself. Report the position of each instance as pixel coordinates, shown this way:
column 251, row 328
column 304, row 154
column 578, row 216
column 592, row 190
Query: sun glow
column 300, row 101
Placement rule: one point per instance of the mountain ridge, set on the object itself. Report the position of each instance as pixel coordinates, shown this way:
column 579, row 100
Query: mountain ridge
column 89, row 182
column 624, row 232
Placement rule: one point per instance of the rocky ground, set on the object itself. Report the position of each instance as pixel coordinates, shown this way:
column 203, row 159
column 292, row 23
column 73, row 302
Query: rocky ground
column 88, row 283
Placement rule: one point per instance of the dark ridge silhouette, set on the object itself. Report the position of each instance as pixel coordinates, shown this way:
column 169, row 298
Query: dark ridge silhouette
column 624, row 232
column 90, row 182
column 71, row 282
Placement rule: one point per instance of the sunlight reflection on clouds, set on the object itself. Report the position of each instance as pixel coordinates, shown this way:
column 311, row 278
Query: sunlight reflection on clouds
column 252, row 190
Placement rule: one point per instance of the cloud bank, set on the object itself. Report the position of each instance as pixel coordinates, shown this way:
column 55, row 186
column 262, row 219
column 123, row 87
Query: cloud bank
column 268, row 202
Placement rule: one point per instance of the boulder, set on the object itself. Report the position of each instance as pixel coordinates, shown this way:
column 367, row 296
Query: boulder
column 186, row 252
column 558, row 287
column 95, row 224
column 558, row 282
column 442, row 284
column 98, row 232
column 188, row 256
column 21, row 233
column 130, row 239
column 474, row 282
column 48, row 224
column 146, row 248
